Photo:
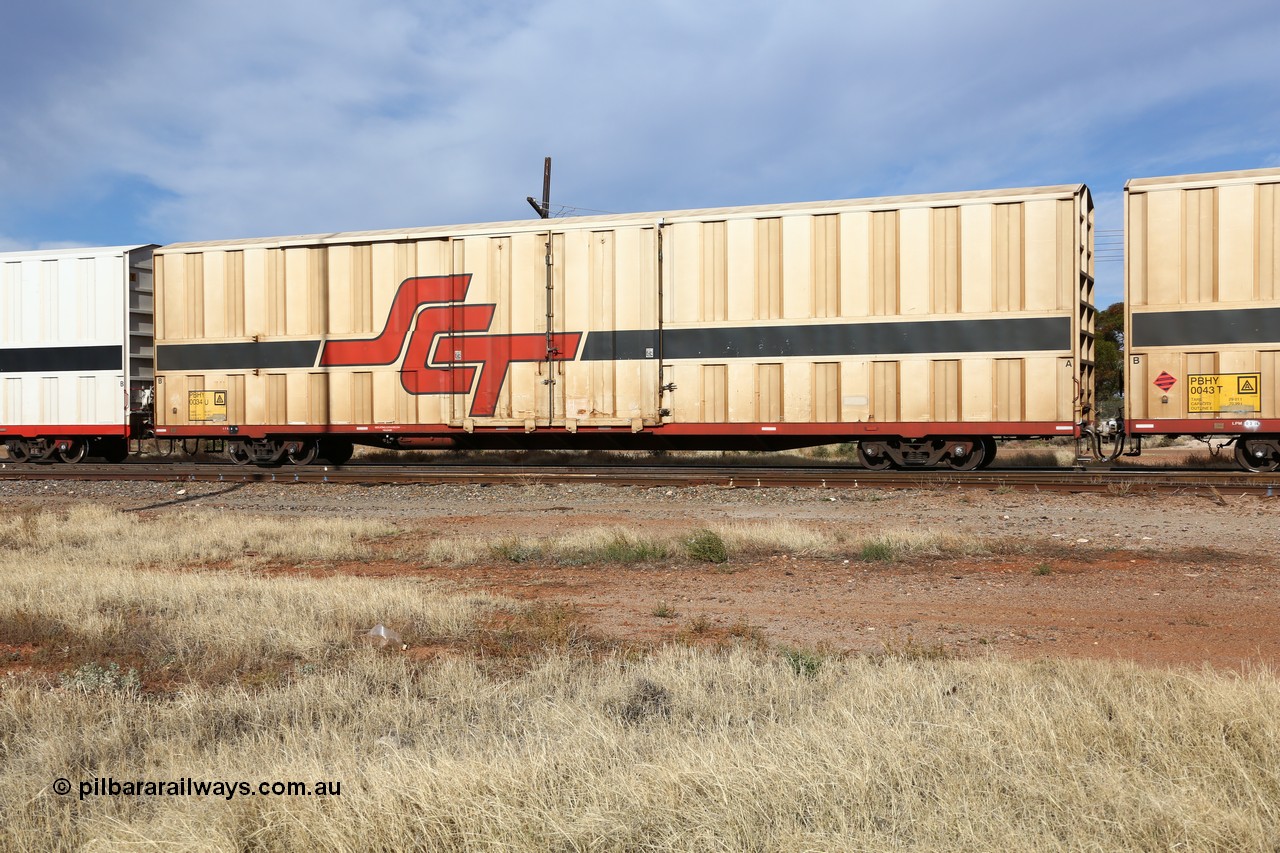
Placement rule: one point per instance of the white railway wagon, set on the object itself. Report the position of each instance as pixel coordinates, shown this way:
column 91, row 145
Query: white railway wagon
column 76, row 360
column 1202, row 309
column 920, row 326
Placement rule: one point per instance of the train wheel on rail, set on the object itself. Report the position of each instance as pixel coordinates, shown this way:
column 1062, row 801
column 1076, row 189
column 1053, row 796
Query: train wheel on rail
column 302, row 452
column 967, row 460
column 237, row 452
column 19, row 451
column 873, row 457
column 336, row 450
column 1256, row 456
column 988, row 451
column 73, row 452
column 113, row 451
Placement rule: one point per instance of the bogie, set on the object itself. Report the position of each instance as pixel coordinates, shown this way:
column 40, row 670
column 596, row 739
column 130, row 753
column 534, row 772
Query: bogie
column 967, row 453
column 1258, row 454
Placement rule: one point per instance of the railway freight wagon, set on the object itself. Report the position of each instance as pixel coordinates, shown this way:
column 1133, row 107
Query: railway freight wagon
column 75, row 352
column 1202, row 310
column 921, row 326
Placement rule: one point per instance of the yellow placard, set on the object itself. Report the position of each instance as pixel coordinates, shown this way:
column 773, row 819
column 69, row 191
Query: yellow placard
column 207, row 406
column 1224, row 392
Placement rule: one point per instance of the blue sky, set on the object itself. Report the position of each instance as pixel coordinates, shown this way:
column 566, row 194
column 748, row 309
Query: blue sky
column 137, row 122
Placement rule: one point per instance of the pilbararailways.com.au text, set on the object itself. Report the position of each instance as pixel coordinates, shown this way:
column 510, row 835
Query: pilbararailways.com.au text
column 187, row 787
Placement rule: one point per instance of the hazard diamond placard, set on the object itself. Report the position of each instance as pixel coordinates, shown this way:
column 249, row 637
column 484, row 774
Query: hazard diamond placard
column 1164, row 381
column 1224, row 392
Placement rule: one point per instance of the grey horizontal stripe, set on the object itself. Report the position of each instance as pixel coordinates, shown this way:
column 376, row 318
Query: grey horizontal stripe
column 61, row 359
column 265, row 355
column 1200, row 328
column 916, row 337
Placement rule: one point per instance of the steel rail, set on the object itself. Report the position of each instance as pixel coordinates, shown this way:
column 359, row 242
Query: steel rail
column 1118, row 481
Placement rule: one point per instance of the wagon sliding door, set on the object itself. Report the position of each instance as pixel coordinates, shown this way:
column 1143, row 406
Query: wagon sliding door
column 552, row 300
column 606, row 286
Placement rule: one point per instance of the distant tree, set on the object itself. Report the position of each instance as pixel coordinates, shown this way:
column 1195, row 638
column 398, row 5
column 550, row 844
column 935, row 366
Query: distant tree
column 1109, row 359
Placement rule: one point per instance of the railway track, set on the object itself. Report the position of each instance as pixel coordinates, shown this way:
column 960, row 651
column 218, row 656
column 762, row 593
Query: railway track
column 1119, row 481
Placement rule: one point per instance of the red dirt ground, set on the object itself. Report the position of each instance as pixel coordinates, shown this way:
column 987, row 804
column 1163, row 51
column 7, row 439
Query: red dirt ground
column 1116, row 606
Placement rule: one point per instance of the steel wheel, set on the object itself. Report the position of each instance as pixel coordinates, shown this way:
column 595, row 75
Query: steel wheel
column 989, row 451
column 19, row 451
column 112, row 450
column 237, row 452
column 1255, row 456
column 874, row 461
column 304, row 453
column 973, row 459
column 337, row 451
column 74, row 452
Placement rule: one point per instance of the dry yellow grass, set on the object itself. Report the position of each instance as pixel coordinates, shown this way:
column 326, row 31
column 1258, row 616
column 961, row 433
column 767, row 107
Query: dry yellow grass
column 681, row 749
column 741, row 539
column 731, row 751
column 95, row 583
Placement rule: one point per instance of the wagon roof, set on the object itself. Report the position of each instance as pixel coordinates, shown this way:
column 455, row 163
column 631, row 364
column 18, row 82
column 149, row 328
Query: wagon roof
column 650, row 218
column 1206, row 179
column 76, row 252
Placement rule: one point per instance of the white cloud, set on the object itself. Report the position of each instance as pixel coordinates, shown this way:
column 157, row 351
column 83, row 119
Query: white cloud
column 274, row 118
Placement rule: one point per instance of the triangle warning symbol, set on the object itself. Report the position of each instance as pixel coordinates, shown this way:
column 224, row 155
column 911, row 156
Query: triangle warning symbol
column 1247, row 386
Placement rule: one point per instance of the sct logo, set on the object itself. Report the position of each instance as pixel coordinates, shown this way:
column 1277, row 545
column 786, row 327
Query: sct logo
column 436, row 334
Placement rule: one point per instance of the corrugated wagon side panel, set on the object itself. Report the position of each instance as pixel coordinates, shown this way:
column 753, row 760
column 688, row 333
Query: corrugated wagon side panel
column 977, row 385
column 976, row 258
column 1268, row 241
column 914, row 289
column 1237, row 259
column 1043, row 282
column 740, row 253
column 798, row 279
column 1269, row 365
column 855, row 264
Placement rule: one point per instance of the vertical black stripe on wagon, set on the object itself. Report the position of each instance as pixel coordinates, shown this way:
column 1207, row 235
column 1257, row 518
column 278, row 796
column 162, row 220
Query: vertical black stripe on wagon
column 914, row 337
column 61, row 359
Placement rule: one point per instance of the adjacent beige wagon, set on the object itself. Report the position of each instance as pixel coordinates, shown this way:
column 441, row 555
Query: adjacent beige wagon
column 1202, row 319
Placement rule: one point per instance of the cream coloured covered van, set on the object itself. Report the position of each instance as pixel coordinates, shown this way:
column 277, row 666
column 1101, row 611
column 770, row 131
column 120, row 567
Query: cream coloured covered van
column 920, row 326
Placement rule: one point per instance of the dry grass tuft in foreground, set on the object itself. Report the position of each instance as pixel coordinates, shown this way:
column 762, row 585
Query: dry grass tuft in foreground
column 715, row 545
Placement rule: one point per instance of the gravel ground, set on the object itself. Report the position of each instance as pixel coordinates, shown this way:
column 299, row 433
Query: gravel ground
column 1238, row 523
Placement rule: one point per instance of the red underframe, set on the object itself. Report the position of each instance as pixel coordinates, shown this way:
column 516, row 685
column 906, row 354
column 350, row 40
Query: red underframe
column 1233, row 425
column 64, row 431
column 836, row 431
